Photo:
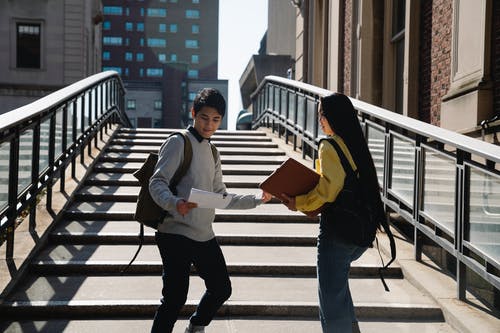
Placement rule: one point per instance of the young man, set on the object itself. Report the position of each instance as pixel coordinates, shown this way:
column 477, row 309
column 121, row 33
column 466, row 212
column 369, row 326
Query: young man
column 186, row 237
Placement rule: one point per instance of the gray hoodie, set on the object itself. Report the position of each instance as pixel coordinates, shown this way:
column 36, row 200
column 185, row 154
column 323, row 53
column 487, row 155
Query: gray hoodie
column 204, row 174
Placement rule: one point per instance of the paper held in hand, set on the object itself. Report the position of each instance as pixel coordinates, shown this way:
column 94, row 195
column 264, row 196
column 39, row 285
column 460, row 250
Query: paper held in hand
column 206, row 199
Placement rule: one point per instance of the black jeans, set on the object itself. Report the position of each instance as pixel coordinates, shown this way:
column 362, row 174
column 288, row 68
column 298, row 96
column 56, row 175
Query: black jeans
column 177, row 253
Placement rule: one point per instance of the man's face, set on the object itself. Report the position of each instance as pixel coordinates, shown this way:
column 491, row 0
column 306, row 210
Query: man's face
column 207, row 121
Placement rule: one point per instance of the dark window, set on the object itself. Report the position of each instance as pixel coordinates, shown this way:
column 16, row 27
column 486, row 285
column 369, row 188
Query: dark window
column 28, row 45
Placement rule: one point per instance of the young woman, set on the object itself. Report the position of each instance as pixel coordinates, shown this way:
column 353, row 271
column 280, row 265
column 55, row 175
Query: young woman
column 339, row 122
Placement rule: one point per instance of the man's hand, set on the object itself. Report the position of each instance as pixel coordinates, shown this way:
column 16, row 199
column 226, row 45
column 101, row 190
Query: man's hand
column 183, row 207
column 289, row 202
column 266, row 196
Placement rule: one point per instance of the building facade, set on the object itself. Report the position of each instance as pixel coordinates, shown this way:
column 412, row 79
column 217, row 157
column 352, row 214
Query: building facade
column 165, row 44
column 46, row 45
column 436, row 61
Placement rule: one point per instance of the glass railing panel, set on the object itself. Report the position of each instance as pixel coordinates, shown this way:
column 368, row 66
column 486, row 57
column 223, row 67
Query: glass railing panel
column 376, row 145
column 283, row 107
column 276, row 102
column 301, row 111
column 25, row 160
column 269, row 94
column 78, row 111
column 403, row 168
column 4, row 174
column 69, row 131
column 59, row 133
column 311, row 116
column 44, row 145
column 439, row 188
column 484, row 212
column 291, row 107
column 87, row 109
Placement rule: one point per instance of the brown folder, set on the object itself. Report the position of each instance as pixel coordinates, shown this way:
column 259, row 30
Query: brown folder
column 292, row 178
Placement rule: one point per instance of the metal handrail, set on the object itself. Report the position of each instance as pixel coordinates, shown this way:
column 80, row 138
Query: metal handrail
column 414, row 160
column 39, row 140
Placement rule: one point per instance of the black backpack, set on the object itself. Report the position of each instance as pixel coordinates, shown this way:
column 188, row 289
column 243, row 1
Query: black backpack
column 147, row 212
column 351, row 206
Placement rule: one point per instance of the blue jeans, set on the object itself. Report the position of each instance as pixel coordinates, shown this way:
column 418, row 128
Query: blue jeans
column 336, row 310
column 177, row 253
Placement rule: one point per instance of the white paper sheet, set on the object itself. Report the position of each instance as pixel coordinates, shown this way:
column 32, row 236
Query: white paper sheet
column 206, row 199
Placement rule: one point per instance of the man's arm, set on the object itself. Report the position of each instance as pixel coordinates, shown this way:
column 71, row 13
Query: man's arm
column 169, row 159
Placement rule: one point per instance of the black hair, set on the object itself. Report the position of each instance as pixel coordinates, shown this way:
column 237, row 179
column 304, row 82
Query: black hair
column 209, row 97
column 343, row 119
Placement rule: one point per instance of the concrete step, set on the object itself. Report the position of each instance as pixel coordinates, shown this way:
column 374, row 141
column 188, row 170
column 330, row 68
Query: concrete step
column 222, row 150
column 127, row 179
column 294, row 296
column 227, row 169
column 276, row 260
column 225, row 159
column 219, row 143
column 219, row 325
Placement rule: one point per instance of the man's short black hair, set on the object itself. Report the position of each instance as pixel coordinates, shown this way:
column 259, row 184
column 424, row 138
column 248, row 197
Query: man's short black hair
column 209, row 97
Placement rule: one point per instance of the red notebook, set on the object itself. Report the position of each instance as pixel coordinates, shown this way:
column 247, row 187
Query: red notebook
column 292, row 178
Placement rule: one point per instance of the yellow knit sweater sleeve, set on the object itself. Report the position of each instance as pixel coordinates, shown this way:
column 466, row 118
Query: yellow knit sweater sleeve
column 331, row 179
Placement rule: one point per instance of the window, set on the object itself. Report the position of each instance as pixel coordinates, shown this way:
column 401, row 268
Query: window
column 127, row 41
column 195, row 58
column 157, row 42
column 106, row 55
column 113, row 10
column 107, row 40
column 142, row 11
column 192, row 96
column 106, row 25
column 157, row 105
column 141, row 72
column 129, row 26
column 116, row 69
column 28, row 46
column 196, row 1
column 126, row 71
column 140, row 26
column 192, row 14
column 139, row 57
column 157, row 12
column 162, row 57
column 173, row 27
column 191, row 44
column 195, row 29
column 173, row 57
column 154, row 72
column 193, row 73
column 141, row 41
column 129, row 56
column 162, row 27
column 157, row 123
column 131, row 104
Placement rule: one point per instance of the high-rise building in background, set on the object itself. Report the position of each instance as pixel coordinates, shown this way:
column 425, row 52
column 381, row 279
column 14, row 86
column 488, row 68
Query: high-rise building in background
column 45, row 46
column 164, row 50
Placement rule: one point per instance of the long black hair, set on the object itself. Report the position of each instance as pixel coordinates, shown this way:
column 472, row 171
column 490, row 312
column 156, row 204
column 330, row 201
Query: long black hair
column 342, row 118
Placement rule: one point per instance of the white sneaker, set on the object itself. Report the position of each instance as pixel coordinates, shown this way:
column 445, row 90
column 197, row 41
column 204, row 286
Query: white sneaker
column 194, row 329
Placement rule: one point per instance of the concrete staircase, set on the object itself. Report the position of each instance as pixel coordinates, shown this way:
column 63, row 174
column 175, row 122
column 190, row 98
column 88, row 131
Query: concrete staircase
column 75, row 285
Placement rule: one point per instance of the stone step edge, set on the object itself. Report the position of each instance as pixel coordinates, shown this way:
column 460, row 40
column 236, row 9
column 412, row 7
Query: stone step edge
column 131, row 238
column 126, row 308
column 95, row 267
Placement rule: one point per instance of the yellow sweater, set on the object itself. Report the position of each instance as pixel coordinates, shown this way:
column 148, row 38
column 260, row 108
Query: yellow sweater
column 331, row 179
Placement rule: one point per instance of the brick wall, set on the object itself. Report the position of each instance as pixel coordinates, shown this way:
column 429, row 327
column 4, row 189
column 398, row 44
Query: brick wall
column 347, row 47
column 435, row 57
column 495, row 59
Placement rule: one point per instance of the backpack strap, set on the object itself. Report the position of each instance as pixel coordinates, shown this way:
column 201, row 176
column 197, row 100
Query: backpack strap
column 179, row 173
column 383, row 222
column 343, row 159
column 186, row 161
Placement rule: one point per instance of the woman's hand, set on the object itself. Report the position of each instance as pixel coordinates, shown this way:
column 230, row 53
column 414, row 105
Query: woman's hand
column 266, row 196
column 183, row 207
column 289, row 202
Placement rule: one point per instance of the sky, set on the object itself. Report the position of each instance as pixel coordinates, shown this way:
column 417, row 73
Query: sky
column 242, row 24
